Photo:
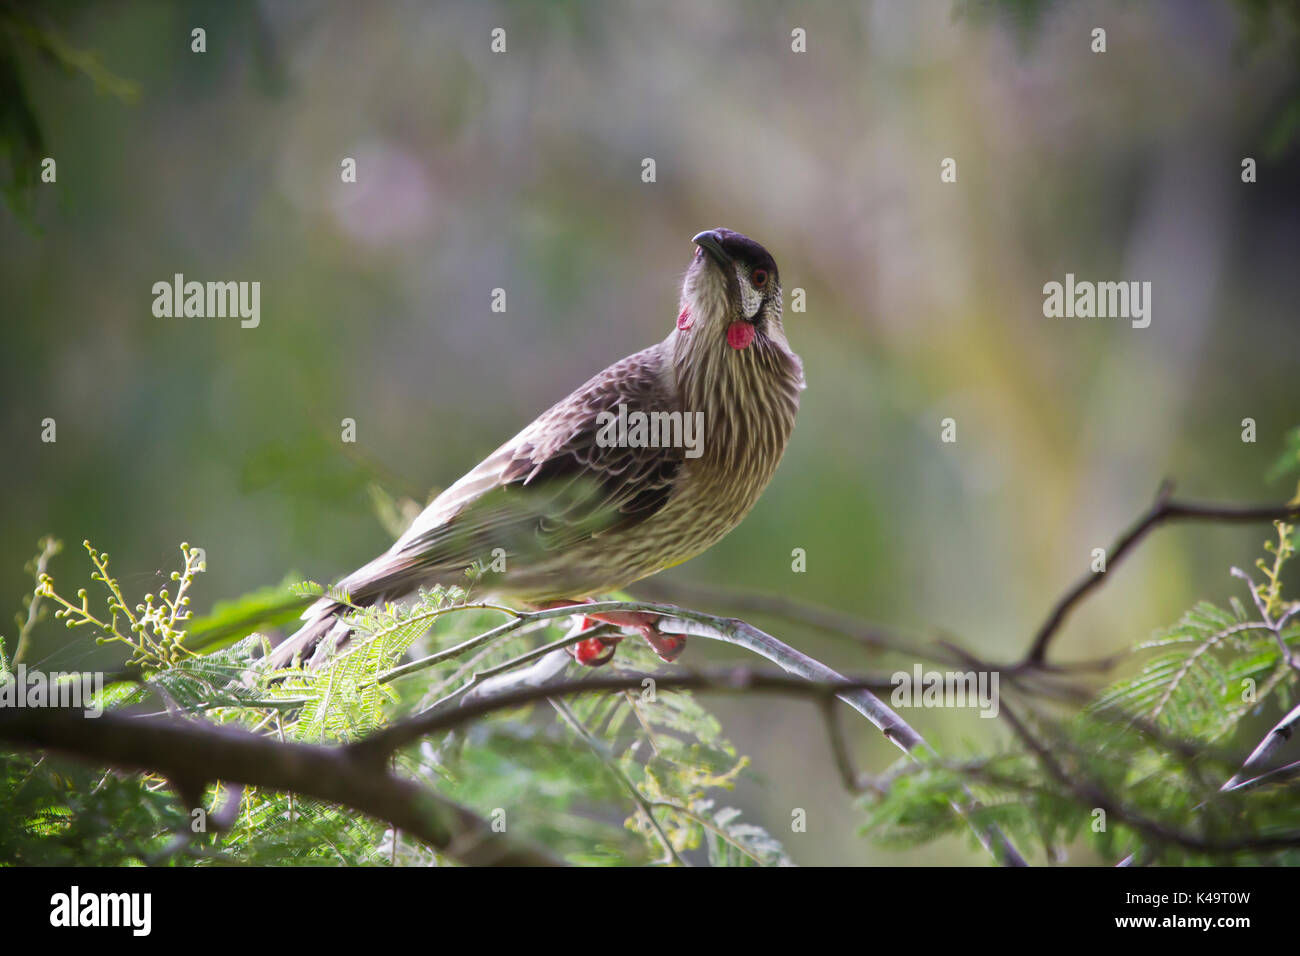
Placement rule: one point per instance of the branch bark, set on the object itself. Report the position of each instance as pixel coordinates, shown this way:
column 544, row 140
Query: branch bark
column 810, row 677
column 191, row 755
column 1257, row 764
column 1163, row 510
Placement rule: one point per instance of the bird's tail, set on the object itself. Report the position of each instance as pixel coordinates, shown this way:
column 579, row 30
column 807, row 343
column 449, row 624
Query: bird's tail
column 323, row 634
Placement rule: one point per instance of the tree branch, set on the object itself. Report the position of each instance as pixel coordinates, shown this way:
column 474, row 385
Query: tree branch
column 1257, row 762
column 1089, row 794
column 191, row 755
column 1163, row 511
column 810, row 677
column 815, row 616
column 41, row 566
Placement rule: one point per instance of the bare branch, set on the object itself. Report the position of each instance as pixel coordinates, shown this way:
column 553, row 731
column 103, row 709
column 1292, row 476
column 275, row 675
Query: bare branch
column 1257, row 762
column 192, row 755
column 1089, row 794
column 201, row 753
column 824, row 619
column 40, row 567
column 811, row 677
column 1163, row 511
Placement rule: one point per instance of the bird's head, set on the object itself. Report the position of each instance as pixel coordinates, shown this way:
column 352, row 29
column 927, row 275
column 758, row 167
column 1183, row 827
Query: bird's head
column 732, row 293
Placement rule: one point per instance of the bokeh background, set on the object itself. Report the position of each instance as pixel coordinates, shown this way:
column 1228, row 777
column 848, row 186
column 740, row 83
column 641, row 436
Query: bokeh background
column 522, row 170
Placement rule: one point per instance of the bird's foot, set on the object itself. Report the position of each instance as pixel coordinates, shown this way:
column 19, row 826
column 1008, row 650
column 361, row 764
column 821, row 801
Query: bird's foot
column 595, row 651
column 669, row 647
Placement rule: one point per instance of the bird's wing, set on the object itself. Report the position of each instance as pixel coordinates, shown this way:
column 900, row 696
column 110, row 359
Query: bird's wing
column 548, row 488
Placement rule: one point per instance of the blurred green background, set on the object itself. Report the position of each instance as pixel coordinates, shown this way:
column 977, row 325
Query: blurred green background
column 522, row 170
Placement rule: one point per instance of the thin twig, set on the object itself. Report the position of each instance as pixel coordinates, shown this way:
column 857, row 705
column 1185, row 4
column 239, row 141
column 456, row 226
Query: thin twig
column 643, row 805
column 49, row 548
column 816, row 616
column 1163, row 511
column 811, row 677
column 1089, row 794
column 1282, row 732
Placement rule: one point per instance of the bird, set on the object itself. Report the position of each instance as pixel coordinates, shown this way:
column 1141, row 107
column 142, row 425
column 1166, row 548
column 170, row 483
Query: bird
column 575, row 506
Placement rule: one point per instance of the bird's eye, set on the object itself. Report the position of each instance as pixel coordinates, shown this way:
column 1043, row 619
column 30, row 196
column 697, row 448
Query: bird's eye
column 759, row 278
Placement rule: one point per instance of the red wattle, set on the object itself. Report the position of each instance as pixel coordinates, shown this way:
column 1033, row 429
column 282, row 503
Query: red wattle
column 740, row 334
column 684, row 320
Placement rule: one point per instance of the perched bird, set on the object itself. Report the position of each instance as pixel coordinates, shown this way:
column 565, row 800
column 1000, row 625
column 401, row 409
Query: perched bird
column 578, row 506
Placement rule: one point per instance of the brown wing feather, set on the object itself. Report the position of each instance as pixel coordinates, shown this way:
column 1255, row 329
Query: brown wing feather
column 548, row 488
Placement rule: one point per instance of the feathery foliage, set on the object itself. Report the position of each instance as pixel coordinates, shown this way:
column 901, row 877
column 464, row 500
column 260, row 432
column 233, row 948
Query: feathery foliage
column 1149, row 770
column 612, row 779
column 1139, row 773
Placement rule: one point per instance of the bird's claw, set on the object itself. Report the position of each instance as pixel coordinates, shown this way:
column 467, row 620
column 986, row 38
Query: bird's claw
column 669, row 647
column 595, row 651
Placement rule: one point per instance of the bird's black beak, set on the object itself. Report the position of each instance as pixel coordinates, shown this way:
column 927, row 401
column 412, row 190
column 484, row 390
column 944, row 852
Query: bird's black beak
column 711, row 242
